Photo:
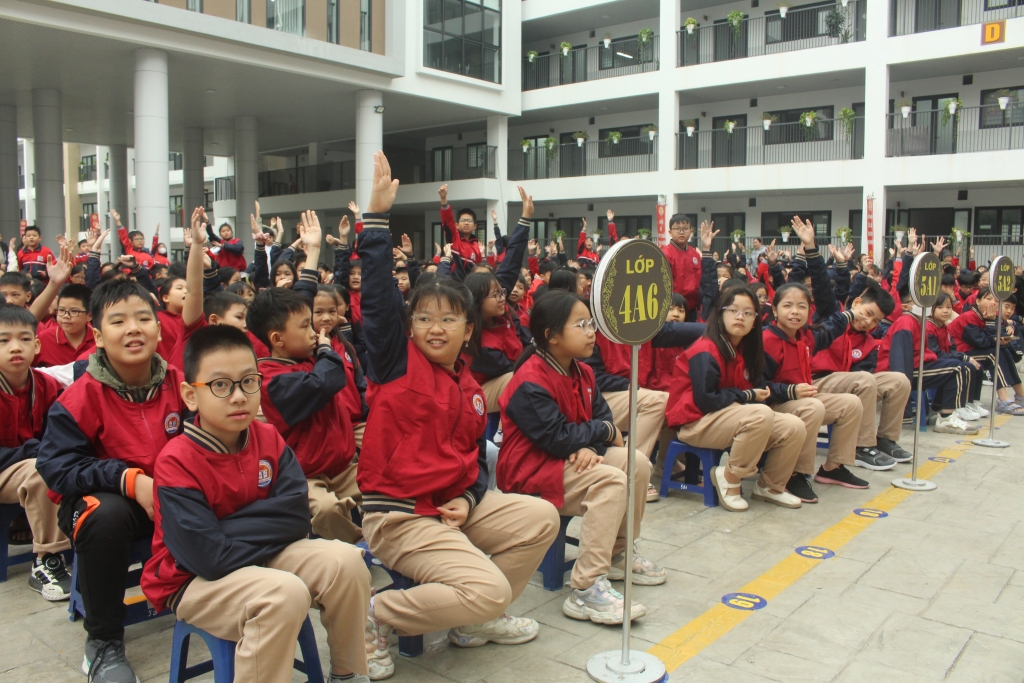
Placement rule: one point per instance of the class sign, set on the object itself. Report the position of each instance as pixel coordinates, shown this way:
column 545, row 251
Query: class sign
column 632, row 292
column 993, row 32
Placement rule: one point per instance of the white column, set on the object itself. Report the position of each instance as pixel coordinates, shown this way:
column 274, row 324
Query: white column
column 10, row 205
column 28, row 164
column 369, row 140
column 118, row 184
column 193, row 168
column 876, row 109
column 102, row 200
column 317, row 153
column 247, row 171
column 152, row 148
column 497, row 136
column 668, row 123
column 668, row 24
column 133, row 185
column 49, row 163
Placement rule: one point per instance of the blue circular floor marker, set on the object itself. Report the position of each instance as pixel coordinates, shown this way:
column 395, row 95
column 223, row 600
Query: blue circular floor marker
column 870, row 512
column 815, row 552
column 941, row 459
column 744, row 601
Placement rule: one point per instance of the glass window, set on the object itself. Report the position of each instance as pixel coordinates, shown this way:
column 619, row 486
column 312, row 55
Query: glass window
column 476, row 155
column 772, row 222
column 332, row 21
column 243, row 11
column 633, row 142
column 365, row 26
column 625, row 226
column 994, row 117
column 463, row 37
column 780, row 133
column 287, row 15
column 624, row 52
column 194, row 6
column 432, row 50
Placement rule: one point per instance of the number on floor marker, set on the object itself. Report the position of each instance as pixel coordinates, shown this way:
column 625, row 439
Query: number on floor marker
column 744, row 601
column 815, row 552
column 871, row 512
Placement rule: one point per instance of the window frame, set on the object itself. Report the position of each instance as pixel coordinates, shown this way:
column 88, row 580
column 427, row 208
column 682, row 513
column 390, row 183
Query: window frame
column 982, row 125
column 607, row 150
column 790, row 214
column 776, row 136
column 474, row 54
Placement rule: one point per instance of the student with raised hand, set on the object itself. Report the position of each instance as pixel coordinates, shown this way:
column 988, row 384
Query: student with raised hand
column 347, row 272
column 684, row 261
column 133, row 243
column 71, row 338
column 717, row 400
column 422, row 469
column 461, row 235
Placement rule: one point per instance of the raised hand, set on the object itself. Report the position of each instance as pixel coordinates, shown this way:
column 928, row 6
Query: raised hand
column 61, row 240
column 309, row 230
column 397, row 254
column 533, row 246
column 938, row 245
column 100, row 239
column 354, row 208
column 707, row 234
column 848, row 251
column 443, row 193
column 437, row 249
column 382, row 196
column 610, row 214
column 527, row 204
column 406, row 245
column 198, row 236
column 805, row 231
column 912, row 239
column 116, row 216
column 771, row 254
column 448, row 250
column 60, row 270
column 494, row 216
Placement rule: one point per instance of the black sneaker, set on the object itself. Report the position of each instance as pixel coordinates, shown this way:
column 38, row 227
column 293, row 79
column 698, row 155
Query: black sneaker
column 893, row 450
column 801, row 488
column 50, row 578
column 105, row 662
column 873, row 459
column 840, row 476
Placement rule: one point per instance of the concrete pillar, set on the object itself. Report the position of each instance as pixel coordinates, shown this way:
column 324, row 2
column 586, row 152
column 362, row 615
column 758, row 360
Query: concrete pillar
column 193, row 170
column 49, row 163
column 668, row 124
column 876, row 109
column 118, row 187
column 102, row 198
column 152, row 148
column 133, row 185
column 369, row 140
column 28, row 165
column 10, row 204
column 497, row 136
column 247, row 189
column 317, row 153
column 72, row 201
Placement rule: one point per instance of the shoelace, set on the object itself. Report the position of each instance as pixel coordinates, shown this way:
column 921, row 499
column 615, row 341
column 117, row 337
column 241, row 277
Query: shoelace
column 56, row 568
column 102, row 661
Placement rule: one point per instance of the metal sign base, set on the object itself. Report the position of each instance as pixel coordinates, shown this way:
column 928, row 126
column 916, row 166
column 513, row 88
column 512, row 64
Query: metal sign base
column 607, row 667
column 914, row 484
column 990, row 443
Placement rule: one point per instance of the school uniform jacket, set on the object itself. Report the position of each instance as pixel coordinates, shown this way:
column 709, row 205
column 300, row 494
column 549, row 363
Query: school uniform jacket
column 354, row 393
column 704, row 382
column 685, row 264
column 972, row 332
column 55, row 349
column 342, row 267
column 547, row 415
column 900, row 350
column 468, row 248
column 787, row 362
column 611, row 362
column 216, row 512
column 232, row 255
column 171, row 329
column 24, row 418
column 590, row 259
column 424, row 440
column 32, row 262
column 142, row 257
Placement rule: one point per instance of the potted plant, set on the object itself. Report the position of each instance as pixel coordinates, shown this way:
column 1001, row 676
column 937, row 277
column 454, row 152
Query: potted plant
column 614, row 136
column 784, row 231
column 951, row 108
column 644, row 35
column 551, row 145
column 651, row 131
column 899, row 231
column 809, row 118
column 846, row 2
column 845, row 236
column 691, row 125
column 767, row 118
column 689, row 25
column 566, row 46
column 904, row 106
column 783, row 8
column 958, row 236
column 581, row 136
column 531, row 55
column 834, row 22
column 847, row 117
column 1003, row 95
column 735, row 19
column 526, row 145
column 558, row 235
column 737, row 236
column 728, row 126
column 643, row 233
column 607, row 38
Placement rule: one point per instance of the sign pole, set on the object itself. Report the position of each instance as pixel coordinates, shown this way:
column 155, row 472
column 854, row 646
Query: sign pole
column 1002, row 279
column 915, row 484
column 627, row 589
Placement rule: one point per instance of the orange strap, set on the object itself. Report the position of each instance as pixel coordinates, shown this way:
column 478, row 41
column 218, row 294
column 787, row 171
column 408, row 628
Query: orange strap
column 129, row 481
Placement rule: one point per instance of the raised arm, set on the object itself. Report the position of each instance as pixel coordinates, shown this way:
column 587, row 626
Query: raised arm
column 192, row 310
column 508, row 270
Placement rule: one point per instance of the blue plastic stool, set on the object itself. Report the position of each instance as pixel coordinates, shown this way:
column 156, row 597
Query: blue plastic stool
column 554, row 565
column 139, row 608
column 824, row 440
column 493, row 422
column 8, row 513
column 707, row 457
column 930, row 394
column 222, row 652
column 408, row 646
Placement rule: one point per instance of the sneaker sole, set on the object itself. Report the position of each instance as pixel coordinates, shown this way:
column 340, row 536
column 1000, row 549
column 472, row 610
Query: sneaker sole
column 902, row 460
column 48, row 592
column 773, row 501
column 584, row 614
column 638, row 579
column 954, row 430
column 477, row 641
column 836, row 482
column 874, row 468
column 722, row 494
column 85, row 668
column 810, row 501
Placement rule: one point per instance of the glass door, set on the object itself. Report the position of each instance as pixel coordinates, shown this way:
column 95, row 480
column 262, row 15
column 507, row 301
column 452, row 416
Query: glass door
column 729, row 149
column 572, row 157
column 930, row 112
column 730, row 43
column 688, row 146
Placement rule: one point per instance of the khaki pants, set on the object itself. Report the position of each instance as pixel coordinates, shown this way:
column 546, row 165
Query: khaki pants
column 20, row 483
column 650, row 416
column 357, row 432
column 599, row 496
column 749, row 430
column 459, row 585
column 891, row 389
column 492, row 391
column 841, row 410
column 331, row 500
column 262, row 608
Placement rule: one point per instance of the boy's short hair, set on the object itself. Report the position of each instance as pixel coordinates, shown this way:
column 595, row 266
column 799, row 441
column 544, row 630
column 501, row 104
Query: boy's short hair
column 547, row 266
column 225, row 273
column 77, row 292
column 37, row 286
column 177, row 269
column 401, row 269
column 33, row 228
column 948, row 280
column 15, row 279
column 132, row 235
column 220, row 303
column 17, row 316
column 587, row 273
column 209, row 339
column 114, row 291
column 81, row 242
column 874, row 294
column 678, row 218
column 967, row 278
column 466, row 212
column 270, row 310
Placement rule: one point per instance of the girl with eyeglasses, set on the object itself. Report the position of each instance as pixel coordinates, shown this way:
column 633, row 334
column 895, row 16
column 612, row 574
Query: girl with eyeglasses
column 561, row 444
column 422, row 468
column 717, row 400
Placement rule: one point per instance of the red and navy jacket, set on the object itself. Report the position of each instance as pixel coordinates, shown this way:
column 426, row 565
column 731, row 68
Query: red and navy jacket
column 900, row 350
column 547, row 415
column 466, row 247
column 158, row 257
column 354, row 393
column 611, row 362
column 54, row 348
column 216, row 511
column 142, row 257
column 424, row 440
column 590, row 259
column 685, row 264
column 98, row 438
column 964, row 300
column 342, row 267
column 24, row 414
column 171, row 329
column 232, row 255
column 704, row 382
column 787, row 362
column 973, row 333
column 32, row 262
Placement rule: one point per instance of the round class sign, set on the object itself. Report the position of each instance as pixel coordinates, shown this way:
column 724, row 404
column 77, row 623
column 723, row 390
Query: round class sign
column 1003, row 277
column 925, row 279
column 632, row 292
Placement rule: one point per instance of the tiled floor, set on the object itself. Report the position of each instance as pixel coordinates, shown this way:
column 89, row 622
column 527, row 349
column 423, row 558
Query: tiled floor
column 933, row 592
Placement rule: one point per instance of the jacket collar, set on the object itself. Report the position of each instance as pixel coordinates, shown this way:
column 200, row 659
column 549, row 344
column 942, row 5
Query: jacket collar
column 554, row 364
column 685, row 247
column 206, row 440
column 100, row 370
column 6, row 388
column 282, row 361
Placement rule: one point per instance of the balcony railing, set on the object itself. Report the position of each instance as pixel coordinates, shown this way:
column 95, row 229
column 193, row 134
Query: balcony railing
column 596, row 157
column 86, row 172
column 335, row 175
column 970, row 129
column 783, row 143
column 920, row 16
column 620, row 58
column 461, row 163
column 800, row 30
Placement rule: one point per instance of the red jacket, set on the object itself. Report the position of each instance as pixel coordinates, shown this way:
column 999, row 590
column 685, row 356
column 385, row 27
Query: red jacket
column 171, row 330
column 685, row 264
column 790, row 359
column 143, row 257
column 232, row 255
column 157, row 257
column 900, row 350
column 588, row 258
column 32, row 262
column 467, row 247
column 355, row 384
column 704, row 382
column 24, row 416
column 970, row 332
column 54, row 348
column 662, row 368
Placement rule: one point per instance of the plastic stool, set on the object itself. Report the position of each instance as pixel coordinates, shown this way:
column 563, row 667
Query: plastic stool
column 8, row 513
column 493, row 422
column 222, row 652
column 707, row 457
column 930, row 394
column 139, row 608
column 824, row 440
column 554, row 565
column 408, row 646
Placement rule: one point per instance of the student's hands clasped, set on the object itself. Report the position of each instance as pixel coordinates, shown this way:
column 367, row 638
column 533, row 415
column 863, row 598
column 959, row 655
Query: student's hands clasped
column 760, row 395
column 455, row 512
column 585, row 459
column 805, row 391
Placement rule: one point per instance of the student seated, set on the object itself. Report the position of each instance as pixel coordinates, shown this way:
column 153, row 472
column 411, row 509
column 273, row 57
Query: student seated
column 230, row 549
column 941, row 342
column 101, row 441
column 25, row 397
column 422, row 469
column 71, row 338
column 561, row 444
column 975, row 335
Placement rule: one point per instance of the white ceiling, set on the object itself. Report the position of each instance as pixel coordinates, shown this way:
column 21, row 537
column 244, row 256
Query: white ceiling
column 592, row 17
column 830, row 80
column 605, row 107
column 961, row 64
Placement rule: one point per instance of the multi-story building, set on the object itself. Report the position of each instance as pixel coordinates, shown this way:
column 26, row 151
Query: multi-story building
column 866, row 114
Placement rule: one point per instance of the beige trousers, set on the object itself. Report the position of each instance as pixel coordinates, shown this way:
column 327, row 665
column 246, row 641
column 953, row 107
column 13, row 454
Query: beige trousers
column 492, row 391
column 599, row 496
column 891, row 389
column 262, row 608
column 331, row 500
column 459, row 584
column 650, row 415
column 748, row 430
column 20, row 483
column 841, row 410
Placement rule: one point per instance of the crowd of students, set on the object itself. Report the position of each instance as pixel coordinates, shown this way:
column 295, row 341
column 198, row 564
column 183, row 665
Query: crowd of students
column 256, row 428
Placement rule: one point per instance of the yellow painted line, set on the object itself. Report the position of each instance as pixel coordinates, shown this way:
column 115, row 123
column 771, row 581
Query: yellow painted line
column 719, row 620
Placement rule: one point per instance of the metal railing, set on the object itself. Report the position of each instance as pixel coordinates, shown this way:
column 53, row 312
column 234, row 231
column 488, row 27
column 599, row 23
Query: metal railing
column 593, row 63
column 800, row 30
column 461, row 163
column 987, row 247
column 783, row 143
column 86, row 172
column 971, row 129
column 334, row 175
column 921, row 16
column 594, row 157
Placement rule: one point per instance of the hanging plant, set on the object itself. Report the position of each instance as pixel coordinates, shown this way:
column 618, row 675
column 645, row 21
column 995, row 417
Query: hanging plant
column 899, row 230
column 958, row 236
column 728, row 126
column 644, row 36
column 737, row 236
column 1003, row 97
column 558, row 235
column 904, row 106
column 691, row 125
column 607, row 38
column 650, row 130
column 643, row 233
column 785, row 231
column 951, row 107
column 531, row 55
column 767, row 119
column 526, row 144
column 808, row 118
column 690, row 24
column 551, row 145
column 835, row 21
column 565, row 46
column 735, row 19
column 847, row 117
column 845, row 236
column 581, row 136
column 614, row 136
column 783, row 8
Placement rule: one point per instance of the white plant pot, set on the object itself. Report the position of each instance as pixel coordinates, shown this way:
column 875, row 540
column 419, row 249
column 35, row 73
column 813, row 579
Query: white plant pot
column 530, row 59
column 951, row 106
column 906, row 111
column 615, row 141
column 899, row 235
column 767, row 123
column 1004, row 102
column 846, row 2
column 809, row 122
column 782, row 12
column 689, row 131
column 651, row 134
column 579, row 142
column 565, row 52
column 689, row 29
column 785, row 236
column 729, row 126
column 526, row 148
column 607, row 42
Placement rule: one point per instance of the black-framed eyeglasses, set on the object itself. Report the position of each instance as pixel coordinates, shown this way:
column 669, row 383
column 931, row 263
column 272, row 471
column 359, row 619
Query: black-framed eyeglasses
column 223, row 387
column 69, row 312
column 499, row 295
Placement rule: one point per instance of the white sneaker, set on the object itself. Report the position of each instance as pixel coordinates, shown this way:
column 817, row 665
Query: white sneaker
column 378, row 656
column 967, row 414
column 951, row 424
column 600, row 603
column 980, row 409
column 732, row 503
column 784, row 499
column 504, row 630
column 645, row 572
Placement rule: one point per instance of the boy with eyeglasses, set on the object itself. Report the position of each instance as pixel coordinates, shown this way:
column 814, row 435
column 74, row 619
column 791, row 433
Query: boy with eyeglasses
column 684, row 261
column 71, row 338
column 462, row 234
column 302, row 391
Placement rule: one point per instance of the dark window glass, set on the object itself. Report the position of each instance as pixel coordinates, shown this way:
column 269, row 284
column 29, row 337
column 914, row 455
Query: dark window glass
column 625, row 52
column 785, row 134
column 994, row 117
column 625, row 226
column 463, row 37
column 629, row 145
column 772, row 222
